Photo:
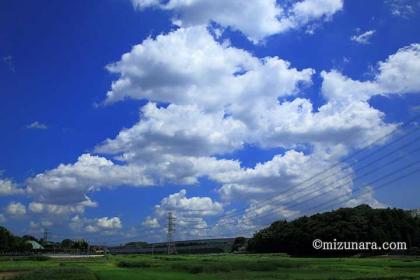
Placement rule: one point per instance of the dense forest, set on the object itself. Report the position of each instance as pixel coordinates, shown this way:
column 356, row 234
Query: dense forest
column 361, row 223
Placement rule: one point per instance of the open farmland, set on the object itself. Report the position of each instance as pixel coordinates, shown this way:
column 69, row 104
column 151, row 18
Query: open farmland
column 211, row 267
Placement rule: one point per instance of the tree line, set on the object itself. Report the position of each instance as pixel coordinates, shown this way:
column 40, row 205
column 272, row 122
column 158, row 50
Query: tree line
column 357, row 224
column 12, row 243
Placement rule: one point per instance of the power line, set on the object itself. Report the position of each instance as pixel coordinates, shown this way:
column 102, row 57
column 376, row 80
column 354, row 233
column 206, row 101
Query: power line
column 271, row 212
column 298, row 191
column 335, row 200
column 347, row 176
column 360, row 188
column 293, row 188
column 379, row 140
column 378, row 187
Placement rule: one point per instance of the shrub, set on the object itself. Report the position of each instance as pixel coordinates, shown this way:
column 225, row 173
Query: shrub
column 134, row 264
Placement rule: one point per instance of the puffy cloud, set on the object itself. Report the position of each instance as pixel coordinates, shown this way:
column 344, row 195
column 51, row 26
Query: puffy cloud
column 249, row 100
column 398, row 74
column 7, row 187
column 278, row 189
column 283, row 174
column 179, row 203
column 40, row 225
column 295, row 124
column 109, row 223
column 69, row 183
column 150, row 222
column 303, row 12
column 177, row 130
column 188, row 66
column 256, row 19
column 16, row 209
column 365, row 197
column 337, row 87
column 281, row 183
column 364, row 37
column 105, row 225
column 36, row 207
column 60, row 210
column 64, row 189
column 189, row 212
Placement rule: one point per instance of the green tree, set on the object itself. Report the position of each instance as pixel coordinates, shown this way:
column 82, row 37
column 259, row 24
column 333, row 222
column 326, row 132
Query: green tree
column 67, row 243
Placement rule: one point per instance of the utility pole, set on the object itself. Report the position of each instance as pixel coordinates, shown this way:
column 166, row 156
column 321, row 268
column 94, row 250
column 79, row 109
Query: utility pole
column 171, row 230
column 45, row 235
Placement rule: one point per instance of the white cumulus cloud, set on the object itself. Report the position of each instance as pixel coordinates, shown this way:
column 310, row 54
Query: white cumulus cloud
column 16, row 209
column 7, row 187
column 398, row 74
column 257, row 19
column 104, row 225
column 188, row 66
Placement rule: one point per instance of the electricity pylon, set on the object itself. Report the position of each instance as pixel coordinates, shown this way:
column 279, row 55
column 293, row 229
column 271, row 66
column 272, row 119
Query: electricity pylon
column 171, row 230
column 45, row 235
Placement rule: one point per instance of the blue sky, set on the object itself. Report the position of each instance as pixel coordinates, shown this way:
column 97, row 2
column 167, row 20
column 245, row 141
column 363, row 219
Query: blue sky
column 207, row 114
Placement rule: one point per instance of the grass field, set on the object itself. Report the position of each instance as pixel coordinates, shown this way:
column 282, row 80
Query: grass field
column 208, row 267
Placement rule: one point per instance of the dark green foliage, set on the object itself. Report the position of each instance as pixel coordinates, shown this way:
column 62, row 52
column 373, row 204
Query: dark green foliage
column 59, row 273
column 238, row 244
column 67, row 243
column 11, row 243
column 134, row 264
column 80, row 244
column 361, row 223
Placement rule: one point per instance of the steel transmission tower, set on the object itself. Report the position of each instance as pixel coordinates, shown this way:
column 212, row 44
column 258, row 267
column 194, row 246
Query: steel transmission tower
column 46, row 235
column 171, row 230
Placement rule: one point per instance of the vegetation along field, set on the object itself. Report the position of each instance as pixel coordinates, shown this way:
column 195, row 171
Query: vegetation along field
column 273, row 266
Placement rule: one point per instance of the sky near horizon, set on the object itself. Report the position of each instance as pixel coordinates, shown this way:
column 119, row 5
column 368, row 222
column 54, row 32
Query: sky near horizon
column 231, row 114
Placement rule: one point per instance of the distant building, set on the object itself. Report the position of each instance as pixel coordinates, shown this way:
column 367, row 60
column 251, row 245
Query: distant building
column 35, row 245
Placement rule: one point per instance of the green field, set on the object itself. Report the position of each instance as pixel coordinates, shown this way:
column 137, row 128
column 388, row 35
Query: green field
column 210, row 267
